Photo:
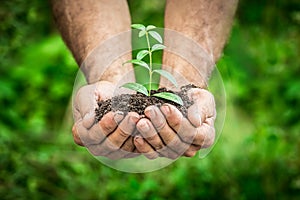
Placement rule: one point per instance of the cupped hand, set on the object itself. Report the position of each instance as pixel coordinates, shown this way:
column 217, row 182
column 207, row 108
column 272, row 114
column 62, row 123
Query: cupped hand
column 167, row 133
column 111, row 136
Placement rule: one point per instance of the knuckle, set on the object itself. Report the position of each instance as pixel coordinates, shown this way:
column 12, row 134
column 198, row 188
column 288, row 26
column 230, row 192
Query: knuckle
column 175, row 122
column 160, row 125
column 152, row 139
column 158, row 146
column 107, row 127
column 107, row 123
column 123, row 133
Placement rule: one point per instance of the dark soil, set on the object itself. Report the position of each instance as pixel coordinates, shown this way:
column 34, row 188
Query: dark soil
column 138, row 102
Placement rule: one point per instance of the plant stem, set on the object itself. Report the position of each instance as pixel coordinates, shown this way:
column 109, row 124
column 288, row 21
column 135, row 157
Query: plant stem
column 150, row 57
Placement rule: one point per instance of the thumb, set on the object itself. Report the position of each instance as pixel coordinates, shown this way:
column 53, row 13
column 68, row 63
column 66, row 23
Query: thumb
column 89, row 119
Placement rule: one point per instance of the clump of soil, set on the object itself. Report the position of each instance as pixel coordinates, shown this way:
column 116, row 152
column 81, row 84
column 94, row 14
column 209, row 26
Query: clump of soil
column 139, row 102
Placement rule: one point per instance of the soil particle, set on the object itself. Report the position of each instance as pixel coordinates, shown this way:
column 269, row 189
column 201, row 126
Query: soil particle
column 139, row 102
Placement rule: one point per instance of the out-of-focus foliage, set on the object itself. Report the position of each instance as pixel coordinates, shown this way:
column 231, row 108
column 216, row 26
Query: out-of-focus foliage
column 256, row 157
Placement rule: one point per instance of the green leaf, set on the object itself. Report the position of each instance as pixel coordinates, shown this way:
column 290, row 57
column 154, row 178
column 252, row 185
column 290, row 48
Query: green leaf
column 156, row 36
column 150, row 27
column 142, row 33
column 169, row 96
column 138, row 26
column 141, row 54
column 166, row 74
column 157, row 47
column 136, row 87
column 138, row 62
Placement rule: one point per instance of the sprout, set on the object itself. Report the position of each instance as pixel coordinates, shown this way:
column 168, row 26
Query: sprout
column 148, row 31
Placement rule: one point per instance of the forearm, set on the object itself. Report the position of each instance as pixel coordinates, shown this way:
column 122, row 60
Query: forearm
column 84, row 25
column 208, row 23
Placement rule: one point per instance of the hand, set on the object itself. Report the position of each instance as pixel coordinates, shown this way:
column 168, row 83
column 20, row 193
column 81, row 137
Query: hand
column 165, row 132
column 111, row 136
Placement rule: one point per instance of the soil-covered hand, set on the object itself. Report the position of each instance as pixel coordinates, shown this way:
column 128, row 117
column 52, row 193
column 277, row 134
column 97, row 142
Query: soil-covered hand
column 111, row 136
column 166, row 132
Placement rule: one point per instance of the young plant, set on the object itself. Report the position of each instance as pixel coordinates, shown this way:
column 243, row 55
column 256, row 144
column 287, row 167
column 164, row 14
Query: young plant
column 147, row 32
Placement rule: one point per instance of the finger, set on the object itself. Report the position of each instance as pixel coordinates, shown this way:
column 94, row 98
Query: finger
column 145, row 127
column 172, row 115
column 205, row 134
column 185, row 130
column 124, row 130
column 103, row 149
column 128, row 145
column 110, row 121
column 85, row 100
column 89, row 120
column 94, row 135
column 97, row 133
column 76, row 137
column 143, row 147
column 116, row 155
column 192, row 150
column 167, row 134
column 76, row 114
column 120, row 154
column 110, row 151
column 205, row 102
column 195, row 115
column 168, row 152
column 115, row 139
column 133, row 154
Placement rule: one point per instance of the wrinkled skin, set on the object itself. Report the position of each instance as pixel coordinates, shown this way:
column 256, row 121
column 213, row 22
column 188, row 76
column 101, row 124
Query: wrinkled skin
column 163, row 132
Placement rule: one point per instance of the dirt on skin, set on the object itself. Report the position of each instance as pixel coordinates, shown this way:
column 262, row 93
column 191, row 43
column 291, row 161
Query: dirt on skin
column 139, row 102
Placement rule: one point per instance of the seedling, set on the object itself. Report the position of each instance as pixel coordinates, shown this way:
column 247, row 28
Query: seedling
column 147, row 32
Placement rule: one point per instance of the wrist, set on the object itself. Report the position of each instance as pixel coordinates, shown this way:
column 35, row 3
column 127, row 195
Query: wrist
column 183, row 69
column 98, row 67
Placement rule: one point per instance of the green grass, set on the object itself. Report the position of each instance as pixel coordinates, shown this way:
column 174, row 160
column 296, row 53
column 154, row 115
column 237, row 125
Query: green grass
column 256, row 156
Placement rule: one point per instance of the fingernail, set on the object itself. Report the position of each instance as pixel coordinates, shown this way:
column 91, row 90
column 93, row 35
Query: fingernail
column 151, row 111
column 118, row 116
column 165, row 109
column 139, row 140
column 145, row 126
column 134, row 118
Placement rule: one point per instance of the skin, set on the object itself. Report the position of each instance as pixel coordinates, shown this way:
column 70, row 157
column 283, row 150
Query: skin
column 164, row 131
column 208, row 23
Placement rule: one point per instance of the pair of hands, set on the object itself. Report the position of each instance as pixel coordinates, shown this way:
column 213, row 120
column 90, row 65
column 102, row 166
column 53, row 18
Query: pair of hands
column 163, row 132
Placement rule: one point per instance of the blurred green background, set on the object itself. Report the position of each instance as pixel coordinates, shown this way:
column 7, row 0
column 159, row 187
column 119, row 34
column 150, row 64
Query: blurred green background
column 256, row 157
